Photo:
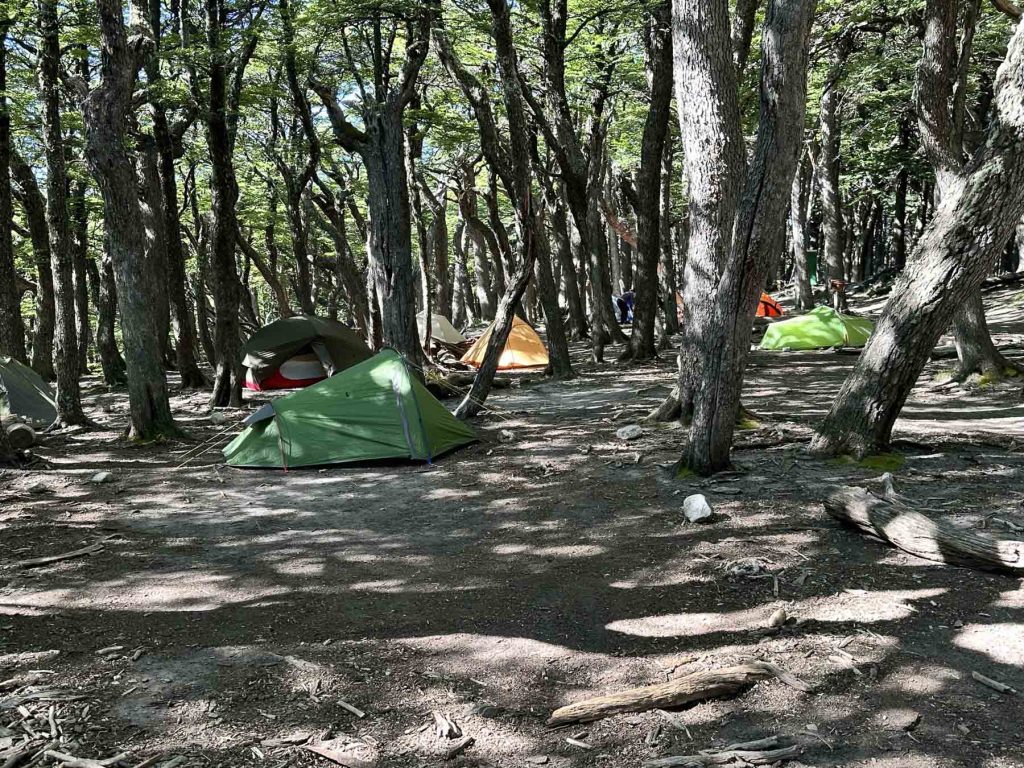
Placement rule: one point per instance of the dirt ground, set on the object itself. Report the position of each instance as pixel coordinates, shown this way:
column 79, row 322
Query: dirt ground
column 238, row 612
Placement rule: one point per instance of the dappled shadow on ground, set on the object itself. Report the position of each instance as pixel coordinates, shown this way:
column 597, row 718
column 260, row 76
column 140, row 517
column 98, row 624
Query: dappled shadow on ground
column 544, row 564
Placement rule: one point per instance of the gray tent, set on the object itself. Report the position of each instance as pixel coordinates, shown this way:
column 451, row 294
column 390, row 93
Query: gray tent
column 24, row 394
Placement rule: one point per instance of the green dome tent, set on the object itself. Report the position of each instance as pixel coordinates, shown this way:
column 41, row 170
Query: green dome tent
column 336, row 345
column 373, row 410
column 821, row 327
column 24, row 394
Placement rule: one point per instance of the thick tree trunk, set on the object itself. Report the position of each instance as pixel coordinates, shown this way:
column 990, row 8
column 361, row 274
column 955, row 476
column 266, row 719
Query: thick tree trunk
column 799, row 196
column 737, row 218
column 743, row 33
column 562, row 242
column 12, row 331
column 658, row 38
column 69, row 398
column 223, row 275
column 971, row 226
column 461, row 290
column 106, row 112
column 151, row 205
column 105, row 299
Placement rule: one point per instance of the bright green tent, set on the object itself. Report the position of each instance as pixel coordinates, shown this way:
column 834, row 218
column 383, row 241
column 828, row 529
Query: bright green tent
column 821, row 327
column 373, row 410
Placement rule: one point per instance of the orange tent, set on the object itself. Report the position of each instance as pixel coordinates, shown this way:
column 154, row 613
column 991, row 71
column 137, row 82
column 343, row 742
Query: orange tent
column 524, row 349
column 768, row 307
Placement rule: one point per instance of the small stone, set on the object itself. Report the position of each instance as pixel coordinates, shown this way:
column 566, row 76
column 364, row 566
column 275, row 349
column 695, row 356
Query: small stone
column 101, row 477
column 629, row 432
column 903, row 720
column 778, row 618
column 696, row 508
column 507, row 435
column 537, row 759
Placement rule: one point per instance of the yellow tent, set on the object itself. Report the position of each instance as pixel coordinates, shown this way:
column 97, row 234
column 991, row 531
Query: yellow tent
column 524, row 349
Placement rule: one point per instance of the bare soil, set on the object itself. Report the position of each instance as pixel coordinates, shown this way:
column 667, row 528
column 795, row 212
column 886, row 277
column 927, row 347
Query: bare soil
column 546, row 563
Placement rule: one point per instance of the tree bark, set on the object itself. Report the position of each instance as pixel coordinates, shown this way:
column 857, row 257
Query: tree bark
column 658, row 39
column 667, row 264
column 105, row 299
column 742, row 33
column 380, row 145
column 69, row 398
column 970, row 227
column 34, row 205
column 106, row 112
column 828, row 181
column 737, row 214
column 518, row 178
column 151, row 205
column 799, row 196
column 12, row 331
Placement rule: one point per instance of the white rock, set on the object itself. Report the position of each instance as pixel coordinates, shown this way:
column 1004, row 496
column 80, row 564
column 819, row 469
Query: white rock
column 696, row 508
column 778, row 618
column 629, row 432
column 101, row 477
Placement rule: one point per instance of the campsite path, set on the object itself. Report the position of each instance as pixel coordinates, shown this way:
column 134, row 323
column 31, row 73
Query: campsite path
column 548, row 562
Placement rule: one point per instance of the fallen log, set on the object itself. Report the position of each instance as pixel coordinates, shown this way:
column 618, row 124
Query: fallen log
column 699, row 686
column 36, row 561
column 740, row 756
column 894, row 522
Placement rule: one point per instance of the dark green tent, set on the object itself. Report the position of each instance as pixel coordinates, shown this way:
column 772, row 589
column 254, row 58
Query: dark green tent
column 337, row 346
column 373, row 410
column 24, row 394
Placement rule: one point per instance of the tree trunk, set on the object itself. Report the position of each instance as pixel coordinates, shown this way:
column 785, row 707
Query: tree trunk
column 658, row 38
column 742, row 33
column 226, row 290
column 971, row 226
column 151, row 205
column 517, row 176
column 558, row 344
column 461, row 291
column 106, row 112
column 667, row 265
column 34, row 206
column 737, row 216
column 12, row 331
column 69, row 398
column 105, row 299
column 831, row 201
column 562, row 242
column 80, row 220
column 799, row 195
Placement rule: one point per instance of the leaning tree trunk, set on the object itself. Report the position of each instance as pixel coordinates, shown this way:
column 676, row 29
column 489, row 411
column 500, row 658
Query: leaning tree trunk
column 953, row 256
column 648, row 211
column 69, row 398
column 12, row 332
column 519, row 179
column 106, row 112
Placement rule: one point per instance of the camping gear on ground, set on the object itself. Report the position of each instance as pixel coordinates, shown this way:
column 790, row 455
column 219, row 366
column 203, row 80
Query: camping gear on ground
column 524, row 348
column 374, row 410
column 24, row 394
column 768, row 307
column 821, row 327
column 300, row 341
column 441, row 330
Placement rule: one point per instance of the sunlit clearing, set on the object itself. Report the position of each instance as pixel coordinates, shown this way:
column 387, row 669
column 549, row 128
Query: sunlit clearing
column 1003, row 643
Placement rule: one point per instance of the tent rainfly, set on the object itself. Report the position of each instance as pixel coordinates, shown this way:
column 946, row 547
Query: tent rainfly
column 373, row 410
column 440, row 328
column 768, row 307
column 24, row 394
column 300, row 350
column 524, row 348
column 821, row 327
